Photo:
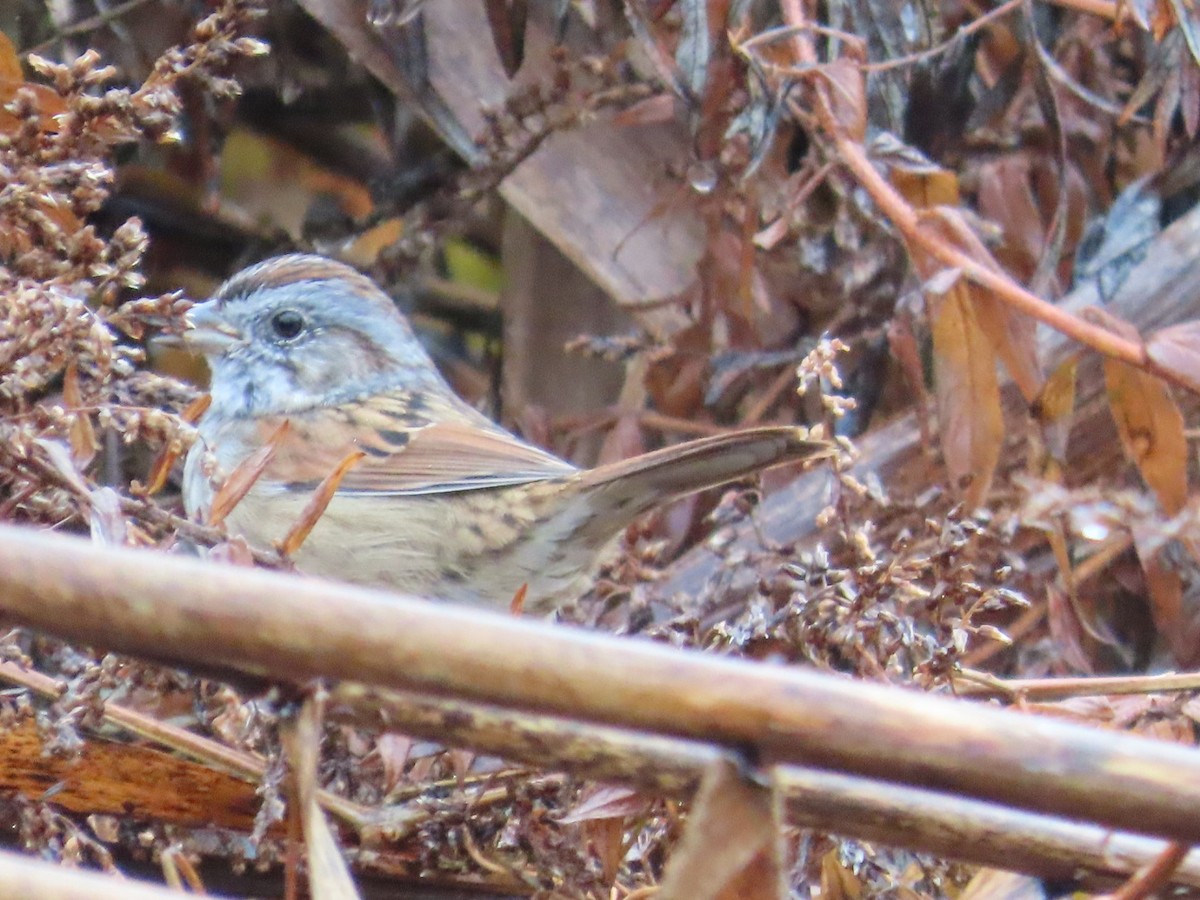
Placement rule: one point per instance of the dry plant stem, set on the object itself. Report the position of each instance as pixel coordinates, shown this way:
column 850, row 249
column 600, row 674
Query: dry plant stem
column 967, row 830
column 1154, row 877
column 268, row 624
column 21, row 876
column 977, row 684
column 598, row 752
column 236, row 762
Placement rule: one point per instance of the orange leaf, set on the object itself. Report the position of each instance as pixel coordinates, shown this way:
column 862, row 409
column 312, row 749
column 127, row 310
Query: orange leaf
column 1151, row 429
column 317, row 504
column 925, row 188
column 165, row 460
column 967, row 391
column 517, row 606
column 12, row 79
column 10, row 63
column 1011, row 333
column 1177, row 349
column 243, row 477
column 1053, row 407
column 82, row 435
column 838, row 882
column 1149, row 423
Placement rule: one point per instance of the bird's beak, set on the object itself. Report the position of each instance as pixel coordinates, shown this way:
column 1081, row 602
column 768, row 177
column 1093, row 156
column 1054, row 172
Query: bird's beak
column 207, row 330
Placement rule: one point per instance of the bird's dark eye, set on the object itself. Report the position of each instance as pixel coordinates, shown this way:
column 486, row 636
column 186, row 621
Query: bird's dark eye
column 287, row 323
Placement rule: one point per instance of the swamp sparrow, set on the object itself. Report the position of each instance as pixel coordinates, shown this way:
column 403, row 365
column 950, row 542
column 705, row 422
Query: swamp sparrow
column 444, row 503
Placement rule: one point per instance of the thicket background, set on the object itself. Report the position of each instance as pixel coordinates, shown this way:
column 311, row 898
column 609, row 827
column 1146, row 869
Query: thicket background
column 618, row 225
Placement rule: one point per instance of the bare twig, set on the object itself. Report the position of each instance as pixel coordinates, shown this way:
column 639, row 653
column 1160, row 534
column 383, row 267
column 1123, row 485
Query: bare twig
column 973, row 832
column 293, row 629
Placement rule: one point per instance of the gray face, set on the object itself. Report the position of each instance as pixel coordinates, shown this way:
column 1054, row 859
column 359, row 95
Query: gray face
column 299, row 332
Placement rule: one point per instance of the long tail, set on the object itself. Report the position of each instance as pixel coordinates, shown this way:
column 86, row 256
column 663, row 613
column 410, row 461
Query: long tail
column 633, row 486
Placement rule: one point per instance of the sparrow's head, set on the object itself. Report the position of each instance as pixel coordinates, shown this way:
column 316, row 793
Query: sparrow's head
column 298, row 331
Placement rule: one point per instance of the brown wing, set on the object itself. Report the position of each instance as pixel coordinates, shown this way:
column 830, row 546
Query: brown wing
column 413, row 445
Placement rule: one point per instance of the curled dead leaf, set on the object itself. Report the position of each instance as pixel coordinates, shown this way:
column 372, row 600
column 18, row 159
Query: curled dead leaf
column 967, row 390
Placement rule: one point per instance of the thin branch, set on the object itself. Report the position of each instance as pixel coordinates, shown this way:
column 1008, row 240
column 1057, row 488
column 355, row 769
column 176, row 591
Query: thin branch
column 1154, row 877
column 977, row 833
column 294, row 629
column 971, row 683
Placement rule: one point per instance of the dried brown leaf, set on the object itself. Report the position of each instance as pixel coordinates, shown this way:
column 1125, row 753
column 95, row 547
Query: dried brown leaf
column 60, row 458
column 968, row 393
column 847, row 96
column 517, row 605
column 1054, row 406
column 602, row 810
column 161, row 468
column 47, row 102
column 734, row 819
column 1012, row 334
column 82, row 436
column 460, row 763
column 317, row 504
column 507, row 19
column 838, row 882
column 1066, row 630
column 925, row 188
column 234, row 552
column 606, row 837
column 1161, row 561
column 993, row 884
column 10, row 63
column 328, row 874
column 1006, row 198
column 1148, row 420
column 243, row 477
column 604, row 801
column 654, row 110
column 1151, row 429
column 394, row 751
column 1177, row 349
